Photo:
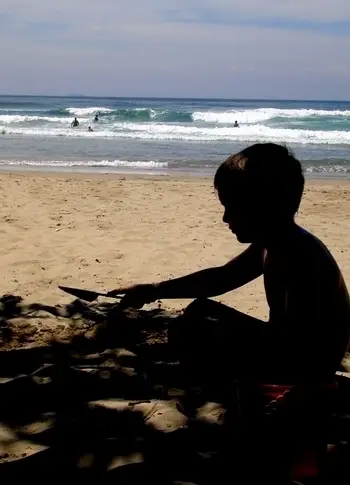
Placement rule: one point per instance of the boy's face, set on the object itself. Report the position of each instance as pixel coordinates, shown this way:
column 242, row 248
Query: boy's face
column 243, row 216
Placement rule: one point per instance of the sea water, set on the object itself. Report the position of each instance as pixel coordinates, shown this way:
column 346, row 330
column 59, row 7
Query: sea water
column 153, row 135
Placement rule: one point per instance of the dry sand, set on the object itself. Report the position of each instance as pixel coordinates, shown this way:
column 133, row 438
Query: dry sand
column 101, row 231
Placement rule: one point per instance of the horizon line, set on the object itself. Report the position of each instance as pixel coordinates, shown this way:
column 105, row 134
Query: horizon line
column 167, row 97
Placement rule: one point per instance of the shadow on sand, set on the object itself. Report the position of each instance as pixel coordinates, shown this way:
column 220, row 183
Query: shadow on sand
column 109, row 404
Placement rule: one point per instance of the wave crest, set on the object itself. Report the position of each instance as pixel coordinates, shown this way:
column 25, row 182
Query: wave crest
column 147, row 164
column 158, row 131
column 263, row 114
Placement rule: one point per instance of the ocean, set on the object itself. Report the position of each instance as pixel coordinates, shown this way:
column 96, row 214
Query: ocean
column 161, row 136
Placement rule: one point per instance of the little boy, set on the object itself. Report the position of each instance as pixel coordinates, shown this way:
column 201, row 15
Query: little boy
column 307, row 333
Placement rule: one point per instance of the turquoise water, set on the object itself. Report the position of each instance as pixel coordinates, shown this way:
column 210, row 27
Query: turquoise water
column 165, row 135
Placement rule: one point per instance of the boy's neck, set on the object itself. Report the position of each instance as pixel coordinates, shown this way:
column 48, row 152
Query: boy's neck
column 279, row 235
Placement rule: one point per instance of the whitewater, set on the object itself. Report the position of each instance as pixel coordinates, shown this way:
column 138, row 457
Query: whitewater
column 162, row 135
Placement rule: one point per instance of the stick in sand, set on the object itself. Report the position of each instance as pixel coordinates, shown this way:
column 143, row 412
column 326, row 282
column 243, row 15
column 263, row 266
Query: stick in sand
column 88, row 295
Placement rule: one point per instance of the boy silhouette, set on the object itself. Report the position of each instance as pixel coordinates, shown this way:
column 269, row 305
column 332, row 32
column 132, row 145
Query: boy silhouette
column 307, row 333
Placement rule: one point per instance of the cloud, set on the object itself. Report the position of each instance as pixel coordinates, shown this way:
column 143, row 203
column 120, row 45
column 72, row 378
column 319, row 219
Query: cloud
column 234, row 10
column 211, row 16
column 226, row 48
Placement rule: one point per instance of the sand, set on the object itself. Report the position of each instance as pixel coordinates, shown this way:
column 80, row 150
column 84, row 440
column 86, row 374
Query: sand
column 101, row 231
column 104, row 231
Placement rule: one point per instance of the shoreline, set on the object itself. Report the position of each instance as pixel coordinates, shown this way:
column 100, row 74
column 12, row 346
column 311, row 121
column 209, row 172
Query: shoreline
column 173, row 174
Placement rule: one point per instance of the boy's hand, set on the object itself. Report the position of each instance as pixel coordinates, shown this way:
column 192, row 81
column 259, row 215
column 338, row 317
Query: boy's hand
column 136, row 296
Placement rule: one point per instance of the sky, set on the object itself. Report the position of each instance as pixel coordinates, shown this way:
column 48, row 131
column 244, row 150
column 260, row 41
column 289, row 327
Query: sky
column 276, row 49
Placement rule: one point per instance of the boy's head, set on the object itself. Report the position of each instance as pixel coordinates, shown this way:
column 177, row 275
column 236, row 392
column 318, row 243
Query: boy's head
column 260, row 189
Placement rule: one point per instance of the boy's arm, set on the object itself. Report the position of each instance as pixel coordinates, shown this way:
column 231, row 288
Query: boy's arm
column 215, row 281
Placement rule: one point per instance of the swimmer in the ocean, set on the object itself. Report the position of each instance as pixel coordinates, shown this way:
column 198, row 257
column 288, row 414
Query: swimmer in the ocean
column 75, row 123
column 90, row 129
column 96, row 117
column 236, row 125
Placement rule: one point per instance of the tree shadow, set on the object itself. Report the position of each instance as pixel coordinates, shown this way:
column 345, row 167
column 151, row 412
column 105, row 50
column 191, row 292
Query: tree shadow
column 98, row 407
column 113, row 404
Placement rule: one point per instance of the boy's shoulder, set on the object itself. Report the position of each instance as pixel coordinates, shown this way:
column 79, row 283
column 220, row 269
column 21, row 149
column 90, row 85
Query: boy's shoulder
column 308, row 244
column 308, row 250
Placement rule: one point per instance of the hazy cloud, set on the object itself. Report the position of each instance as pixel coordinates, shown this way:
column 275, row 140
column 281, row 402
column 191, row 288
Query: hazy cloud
column 223, row 48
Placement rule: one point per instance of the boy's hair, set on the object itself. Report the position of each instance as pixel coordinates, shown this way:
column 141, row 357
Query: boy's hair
column 266, row 172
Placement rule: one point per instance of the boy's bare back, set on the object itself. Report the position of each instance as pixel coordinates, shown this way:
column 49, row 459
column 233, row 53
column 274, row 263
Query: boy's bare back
column 308, row 297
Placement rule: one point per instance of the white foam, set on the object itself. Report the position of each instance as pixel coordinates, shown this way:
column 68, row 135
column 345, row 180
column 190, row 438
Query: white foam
column 7, row 119
column 262, row 114
column 141, row 165
column 88, row 163
column 229, row 117
column 87, row 111
column 244, row 133
column 158, row 131
column 328, row 169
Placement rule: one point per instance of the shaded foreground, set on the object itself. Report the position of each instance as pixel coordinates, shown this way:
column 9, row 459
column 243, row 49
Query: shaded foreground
column 102, row 397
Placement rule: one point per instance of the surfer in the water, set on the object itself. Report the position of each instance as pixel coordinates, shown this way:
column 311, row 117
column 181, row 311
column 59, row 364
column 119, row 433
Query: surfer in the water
column 90, row 129
column 236, row 125
column 75, row 123
column 96, row 117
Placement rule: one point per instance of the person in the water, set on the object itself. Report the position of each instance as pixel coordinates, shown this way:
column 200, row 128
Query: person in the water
column 236, row 125
column 96, row 117
column 75, row 123
column 90, row 129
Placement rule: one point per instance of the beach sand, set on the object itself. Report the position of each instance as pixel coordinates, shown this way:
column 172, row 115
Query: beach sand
column 103, row 231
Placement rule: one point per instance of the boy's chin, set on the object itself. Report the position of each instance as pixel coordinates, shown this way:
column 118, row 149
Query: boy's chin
column 242, row 232
column 243, row 238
